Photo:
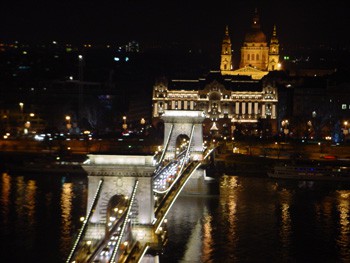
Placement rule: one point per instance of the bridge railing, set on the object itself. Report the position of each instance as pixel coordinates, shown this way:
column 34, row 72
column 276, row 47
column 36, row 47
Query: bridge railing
column 122, row 231
column 102, row 243
column 166, row 146
column 187, row 150
column 86, row 221
column 168, row 200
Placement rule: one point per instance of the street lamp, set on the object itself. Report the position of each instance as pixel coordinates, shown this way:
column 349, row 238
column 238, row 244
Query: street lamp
column 345, row 130
column 285, row 124
column 68, row 125
column 142, row 121
column 21, row 104
column 125, row 126
column 26, row 127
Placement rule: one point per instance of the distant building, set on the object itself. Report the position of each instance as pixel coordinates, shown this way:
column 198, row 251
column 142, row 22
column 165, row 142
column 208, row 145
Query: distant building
column 258, row 57
column 234, row 101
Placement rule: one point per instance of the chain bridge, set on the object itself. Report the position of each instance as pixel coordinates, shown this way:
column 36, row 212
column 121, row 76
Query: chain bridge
column 129, row 196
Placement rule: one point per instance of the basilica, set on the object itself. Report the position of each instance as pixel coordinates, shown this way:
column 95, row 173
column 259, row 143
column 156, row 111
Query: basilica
column 241, row 101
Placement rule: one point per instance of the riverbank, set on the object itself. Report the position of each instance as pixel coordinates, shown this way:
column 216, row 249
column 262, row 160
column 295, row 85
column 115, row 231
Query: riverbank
column 241, row 158
column 43, row 162
column 254, row 165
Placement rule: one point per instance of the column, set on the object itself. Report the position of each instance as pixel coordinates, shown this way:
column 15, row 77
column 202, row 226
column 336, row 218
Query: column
column 273, row 111
column 155, row 109
column 237, row 108
column 263, row 111
column 249, row 108
column 256, row 108
column 191, row 105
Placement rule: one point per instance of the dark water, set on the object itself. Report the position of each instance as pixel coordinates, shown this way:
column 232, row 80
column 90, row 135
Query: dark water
column 40, row 216
column 252, row 220
column 262, row 220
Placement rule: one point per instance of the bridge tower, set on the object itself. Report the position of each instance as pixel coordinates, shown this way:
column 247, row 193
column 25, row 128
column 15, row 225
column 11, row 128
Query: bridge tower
column 187, row 123
column 119, row 173
column 183, row 122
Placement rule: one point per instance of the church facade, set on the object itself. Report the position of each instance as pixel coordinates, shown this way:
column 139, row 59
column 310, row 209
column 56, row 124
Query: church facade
column 241, row 101
column 258, row 57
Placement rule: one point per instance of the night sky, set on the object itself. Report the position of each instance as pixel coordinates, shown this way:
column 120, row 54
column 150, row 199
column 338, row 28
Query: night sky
column 193, row 22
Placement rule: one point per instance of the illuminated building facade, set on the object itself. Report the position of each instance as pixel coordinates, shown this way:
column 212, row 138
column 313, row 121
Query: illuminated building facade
column 234, row 101
column 257, row 56
column 229, row 102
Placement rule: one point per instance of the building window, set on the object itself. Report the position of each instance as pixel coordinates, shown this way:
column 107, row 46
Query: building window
column 257, row 56
column 248, row 57
column 252, row 56
column 343, row 106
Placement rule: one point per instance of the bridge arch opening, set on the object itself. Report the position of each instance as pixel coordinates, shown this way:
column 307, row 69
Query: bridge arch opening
column 182, row 141
column 115, row 208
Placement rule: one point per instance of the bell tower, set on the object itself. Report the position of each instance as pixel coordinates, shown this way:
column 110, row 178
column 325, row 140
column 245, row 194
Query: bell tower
column 274, row 62
column 226, row 53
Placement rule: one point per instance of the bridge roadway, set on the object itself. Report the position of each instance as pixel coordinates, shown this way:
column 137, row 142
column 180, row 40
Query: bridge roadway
column 119, row 243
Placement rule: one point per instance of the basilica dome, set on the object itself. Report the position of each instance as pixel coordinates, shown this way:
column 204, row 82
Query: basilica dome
column 255, row 36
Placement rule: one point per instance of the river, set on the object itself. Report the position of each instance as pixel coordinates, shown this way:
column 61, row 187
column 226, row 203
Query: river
column 252, row 219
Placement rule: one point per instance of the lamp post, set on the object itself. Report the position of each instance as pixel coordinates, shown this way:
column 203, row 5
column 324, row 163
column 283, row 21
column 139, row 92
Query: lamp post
column 21, row 106
column 68, row 124
column 26, row 127
column 345, row 130
column 285, row 124
column 125, row 126
column 142, row 122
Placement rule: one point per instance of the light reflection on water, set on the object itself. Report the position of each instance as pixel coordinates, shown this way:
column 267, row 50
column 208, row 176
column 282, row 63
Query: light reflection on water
column 261, row 220
column 39, row 216
column 343, row 239
column 251, row 220
column 66, row 210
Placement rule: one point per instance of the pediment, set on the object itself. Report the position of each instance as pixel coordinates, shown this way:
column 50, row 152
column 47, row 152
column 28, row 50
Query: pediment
column 248, row 69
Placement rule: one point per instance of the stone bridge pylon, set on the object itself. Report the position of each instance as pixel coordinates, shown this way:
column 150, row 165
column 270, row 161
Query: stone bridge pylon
column 183, row 123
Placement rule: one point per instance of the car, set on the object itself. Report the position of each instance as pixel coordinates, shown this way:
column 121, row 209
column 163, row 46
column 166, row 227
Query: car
column 105, row 251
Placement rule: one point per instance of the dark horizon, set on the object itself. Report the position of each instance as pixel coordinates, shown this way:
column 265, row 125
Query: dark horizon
column 195, row 24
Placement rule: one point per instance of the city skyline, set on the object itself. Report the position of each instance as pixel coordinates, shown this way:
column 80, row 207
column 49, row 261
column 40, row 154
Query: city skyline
column 154, row 22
